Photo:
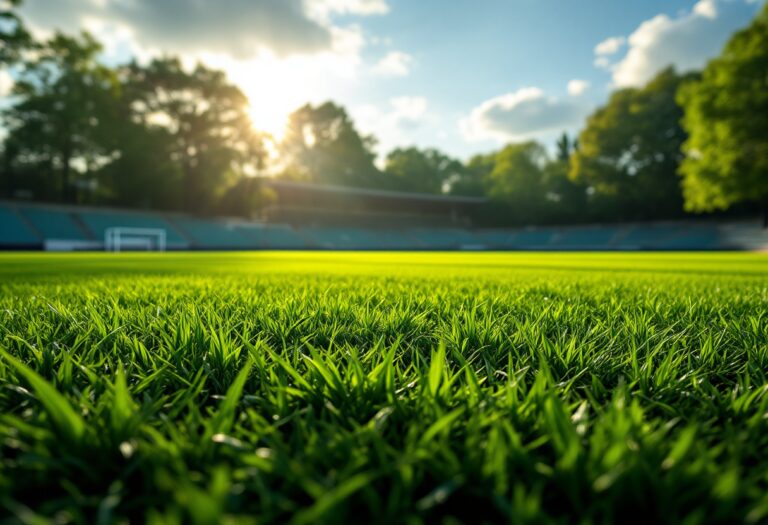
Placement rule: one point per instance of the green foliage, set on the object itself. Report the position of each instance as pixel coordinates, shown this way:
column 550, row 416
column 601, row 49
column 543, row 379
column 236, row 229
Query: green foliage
column 384, row 388
column 629, row 151
column 727, row 152
column 63, row 114
column 205, row 118
column 322, row 145
column 14, row 37
column 426, row 171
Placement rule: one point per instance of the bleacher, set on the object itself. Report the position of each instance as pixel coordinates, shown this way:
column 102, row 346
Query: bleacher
column 14, row 232
column 97, row 223
column 35, row 226
column 212, row 234
column 53, row 223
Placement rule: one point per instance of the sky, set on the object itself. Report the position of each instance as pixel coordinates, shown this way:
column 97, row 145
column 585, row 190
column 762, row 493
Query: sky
column 463, row 76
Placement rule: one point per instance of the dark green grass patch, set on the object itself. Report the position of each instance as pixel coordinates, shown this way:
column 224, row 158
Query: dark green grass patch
column 384, row 388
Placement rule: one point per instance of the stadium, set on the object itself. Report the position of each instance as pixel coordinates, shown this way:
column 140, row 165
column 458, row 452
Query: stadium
column 327, row 262
column 314, row 217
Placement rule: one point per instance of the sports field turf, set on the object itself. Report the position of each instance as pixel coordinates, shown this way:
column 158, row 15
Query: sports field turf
column 384, row 388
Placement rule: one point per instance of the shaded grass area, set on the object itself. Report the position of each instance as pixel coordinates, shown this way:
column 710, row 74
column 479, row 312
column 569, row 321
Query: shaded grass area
column 384, row 388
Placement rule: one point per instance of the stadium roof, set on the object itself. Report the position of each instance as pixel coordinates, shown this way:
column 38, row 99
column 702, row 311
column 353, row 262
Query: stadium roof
column 368, row 192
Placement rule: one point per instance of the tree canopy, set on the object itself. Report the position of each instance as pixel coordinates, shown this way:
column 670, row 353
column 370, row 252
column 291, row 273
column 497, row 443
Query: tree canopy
column 726, row 116
column 629, row 150
column 322, row 145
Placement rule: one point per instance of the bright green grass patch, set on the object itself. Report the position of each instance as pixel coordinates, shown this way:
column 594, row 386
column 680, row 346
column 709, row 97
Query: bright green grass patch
column 384, row 388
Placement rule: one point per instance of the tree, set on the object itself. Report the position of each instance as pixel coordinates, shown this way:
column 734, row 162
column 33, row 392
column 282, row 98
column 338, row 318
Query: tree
column 322, row 145
column 428, row 170
column 14, row 37
column 566, row 198
column 516, row 181
column 58, row 126
column 726, row 116
column 205, row 119
column 629, row 151
column 212, row 139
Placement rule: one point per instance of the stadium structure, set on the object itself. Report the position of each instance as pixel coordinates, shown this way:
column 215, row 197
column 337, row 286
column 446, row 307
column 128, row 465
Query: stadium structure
column 308, row 216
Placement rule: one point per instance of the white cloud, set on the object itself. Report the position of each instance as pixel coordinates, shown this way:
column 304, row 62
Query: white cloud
column 408, row 109
column 610, row 46
column 322, row 9
column 274, row 50
column 239, row 28
column 577, row 87
column 398, row 124
column 6, row 83
column 523, row 114
column 685, row 42
column 394, row 64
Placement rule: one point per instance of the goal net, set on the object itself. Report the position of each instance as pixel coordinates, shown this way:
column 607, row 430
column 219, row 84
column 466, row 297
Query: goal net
column 121, row 238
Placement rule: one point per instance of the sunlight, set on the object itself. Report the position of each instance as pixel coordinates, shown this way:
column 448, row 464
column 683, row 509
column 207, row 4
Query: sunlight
column 274, row 87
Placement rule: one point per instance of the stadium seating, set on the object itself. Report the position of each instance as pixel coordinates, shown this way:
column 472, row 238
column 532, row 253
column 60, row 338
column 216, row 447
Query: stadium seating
column 585, row 238
column 68, row 227
column 265, row 236
column 13, row 231
column 99, row 221
column 53, row 223
column 210, row 234
column 532, row 239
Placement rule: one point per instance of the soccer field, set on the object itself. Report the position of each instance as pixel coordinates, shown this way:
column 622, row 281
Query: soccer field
column 415, row 388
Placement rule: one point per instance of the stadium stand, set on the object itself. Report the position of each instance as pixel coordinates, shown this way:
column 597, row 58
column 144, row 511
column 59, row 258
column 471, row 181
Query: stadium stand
column 34, row 226
column 14, row 232
column 271, row 236
column 98, row 222
column 53, row 223
column 212, row 234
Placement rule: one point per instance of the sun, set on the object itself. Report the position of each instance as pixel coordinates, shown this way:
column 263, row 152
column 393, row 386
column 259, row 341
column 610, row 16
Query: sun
column 274, row 87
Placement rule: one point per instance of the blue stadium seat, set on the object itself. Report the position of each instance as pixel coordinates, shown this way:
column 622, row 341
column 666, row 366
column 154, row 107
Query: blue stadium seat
column 693, row 238
column 53, row 223
column 99, row 221
column 13, row 231
column 272, row 236
column 646, row 237
column 585, row 238
column 532, row 239
column 213, row 234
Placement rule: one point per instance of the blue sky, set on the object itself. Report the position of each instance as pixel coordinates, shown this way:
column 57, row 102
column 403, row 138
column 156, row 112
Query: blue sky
column 462, row 76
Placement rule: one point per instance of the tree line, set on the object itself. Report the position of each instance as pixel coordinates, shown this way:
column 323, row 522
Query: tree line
column 162, row 136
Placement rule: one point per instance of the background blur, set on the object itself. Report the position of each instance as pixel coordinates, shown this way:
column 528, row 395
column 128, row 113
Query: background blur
column 382, row 113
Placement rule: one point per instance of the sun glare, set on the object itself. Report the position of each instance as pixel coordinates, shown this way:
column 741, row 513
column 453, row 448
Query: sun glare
column 274, row 89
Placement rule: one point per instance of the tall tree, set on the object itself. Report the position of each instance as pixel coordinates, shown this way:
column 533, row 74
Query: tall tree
column 726, row 115
column 322, row 145
column 428, row 170
column 629, row 151
column 516, row 180
column 14, row 36
column 205, row 118
column 58, row 125
column 566, row 198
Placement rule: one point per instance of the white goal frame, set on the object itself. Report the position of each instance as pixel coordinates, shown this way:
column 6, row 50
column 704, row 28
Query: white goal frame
column 118, row 237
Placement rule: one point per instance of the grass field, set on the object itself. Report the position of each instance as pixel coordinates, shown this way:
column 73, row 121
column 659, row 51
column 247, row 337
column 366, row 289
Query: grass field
column 384, row 388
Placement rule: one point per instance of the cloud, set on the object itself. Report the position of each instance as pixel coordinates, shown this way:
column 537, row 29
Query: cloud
column 394, row 64
column 610, row 46
column 685, row 42
column 397, row 124
column 576, row 87
column 238, row 28
column 520, row 115
column 6, row 83
column 321, row 9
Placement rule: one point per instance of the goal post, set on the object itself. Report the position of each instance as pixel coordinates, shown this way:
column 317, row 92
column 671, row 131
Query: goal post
column 121, row 238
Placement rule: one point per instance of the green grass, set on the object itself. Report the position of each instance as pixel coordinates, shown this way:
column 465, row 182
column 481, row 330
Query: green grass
column 384, row 388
